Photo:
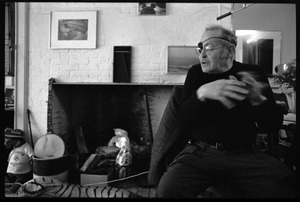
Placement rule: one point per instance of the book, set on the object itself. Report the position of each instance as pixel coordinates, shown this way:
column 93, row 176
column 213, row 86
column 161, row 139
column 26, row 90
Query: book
column 94, row 162
column 87, row 162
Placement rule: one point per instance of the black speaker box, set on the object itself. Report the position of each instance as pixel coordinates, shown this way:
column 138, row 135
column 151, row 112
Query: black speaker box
column 122, row 64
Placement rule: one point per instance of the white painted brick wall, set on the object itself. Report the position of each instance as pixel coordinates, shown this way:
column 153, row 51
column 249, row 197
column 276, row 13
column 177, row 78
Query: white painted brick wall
column 118, row 24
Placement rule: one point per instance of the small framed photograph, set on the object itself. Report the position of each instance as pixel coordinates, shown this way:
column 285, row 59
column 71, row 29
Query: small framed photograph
column 73, row 29
column 152, row 8
column 9, row 97
column 181, row 59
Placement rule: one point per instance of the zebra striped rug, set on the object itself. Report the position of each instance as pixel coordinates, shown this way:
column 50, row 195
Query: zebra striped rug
column 48, row 187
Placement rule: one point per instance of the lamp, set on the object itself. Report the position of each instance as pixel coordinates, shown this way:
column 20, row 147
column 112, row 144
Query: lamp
column 285, row 77
column 286, row 74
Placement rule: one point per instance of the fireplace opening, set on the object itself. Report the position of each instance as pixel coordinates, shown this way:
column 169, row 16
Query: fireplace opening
column 100, row 108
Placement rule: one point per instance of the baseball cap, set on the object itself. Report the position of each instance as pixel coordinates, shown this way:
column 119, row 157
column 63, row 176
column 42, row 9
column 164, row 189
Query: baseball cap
column 14, row 133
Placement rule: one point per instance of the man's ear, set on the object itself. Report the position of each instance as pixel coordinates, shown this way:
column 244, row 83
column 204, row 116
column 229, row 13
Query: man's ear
column 231, row 52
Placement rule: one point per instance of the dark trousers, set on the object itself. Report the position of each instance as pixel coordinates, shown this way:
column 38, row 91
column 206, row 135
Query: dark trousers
column 195, row 169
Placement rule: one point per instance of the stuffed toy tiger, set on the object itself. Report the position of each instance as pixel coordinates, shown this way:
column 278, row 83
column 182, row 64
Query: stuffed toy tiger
column 48, row 187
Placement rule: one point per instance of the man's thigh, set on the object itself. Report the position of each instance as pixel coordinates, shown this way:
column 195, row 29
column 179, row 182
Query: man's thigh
column 189, row 174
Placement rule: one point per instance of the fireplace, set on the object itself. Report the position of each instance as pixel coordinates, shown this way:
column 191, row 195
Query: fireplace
column 99, row 108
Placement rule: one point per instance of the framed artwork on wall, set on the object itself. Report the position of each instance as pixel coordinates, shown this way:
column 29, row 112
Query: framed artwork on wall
column 9, row 97
column 181, row 59
column 151, row 8
column 73, row 29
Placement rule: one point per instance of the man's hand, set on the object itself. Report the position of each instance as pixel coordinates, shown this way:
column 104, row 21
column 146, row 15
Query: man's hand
column 255, row 88
column 224, row 90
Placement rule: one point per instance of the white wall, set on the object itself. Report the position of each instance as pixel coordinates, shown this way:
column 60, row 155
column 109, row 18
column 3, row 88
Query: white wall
column 118, row 24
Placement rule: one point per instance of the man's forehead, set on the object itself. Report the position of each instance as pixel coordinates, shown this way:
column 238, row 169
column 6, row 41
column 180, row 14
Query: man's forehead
column 209, row 34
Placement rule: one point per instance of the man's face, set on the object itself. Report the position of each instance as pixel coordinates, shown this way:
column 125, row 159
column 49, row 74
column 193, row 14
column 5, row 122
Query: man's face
column 214, row 55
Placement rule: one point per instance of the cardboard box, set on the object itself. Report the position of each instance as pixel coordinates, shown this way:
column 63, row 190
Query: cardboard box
column 95, row 180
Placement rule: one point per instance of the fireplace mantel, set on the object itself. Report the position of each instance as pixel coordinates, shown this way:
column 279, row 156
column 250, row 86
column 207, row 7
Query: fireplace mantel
column 116, row 84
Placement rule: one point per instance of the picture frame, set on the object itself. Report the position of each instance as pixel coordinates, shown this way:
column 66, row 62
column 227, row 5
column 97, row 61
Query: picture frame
column 180, row 59
column 151, row 8
column 9, row 97
column 73, row 29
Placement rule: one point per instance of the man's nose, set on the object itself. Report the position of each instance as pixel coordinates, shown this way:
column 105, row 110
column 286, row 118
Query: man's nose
column 203, row 54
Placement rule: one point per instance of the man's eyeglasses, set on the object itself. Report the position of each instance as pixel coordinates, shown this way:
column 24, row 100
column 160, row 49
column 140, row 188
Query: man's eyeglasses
column 206, row 49
column 210, row 47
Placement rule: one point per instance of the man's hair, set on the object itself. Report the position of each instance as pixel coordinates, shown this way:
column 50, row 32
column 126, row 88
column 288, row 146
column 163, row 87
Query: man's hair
column 225, row 33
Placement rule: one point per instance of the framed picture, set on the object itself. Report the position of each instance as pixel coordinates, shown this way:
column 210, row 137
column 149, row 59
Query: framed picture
column 9, row 97
column 181, row 59
column 73, row 29
column 151, row 8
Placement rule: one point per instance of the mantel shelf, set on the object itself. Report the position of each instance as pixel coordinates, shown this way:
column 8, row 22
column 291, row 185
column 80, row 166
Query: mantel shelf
column 116, row 84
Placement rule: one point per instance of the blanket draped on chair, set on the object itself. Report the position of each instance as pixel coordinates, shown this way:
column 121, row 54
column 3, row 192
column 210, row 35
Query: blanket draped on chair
column 168, row 141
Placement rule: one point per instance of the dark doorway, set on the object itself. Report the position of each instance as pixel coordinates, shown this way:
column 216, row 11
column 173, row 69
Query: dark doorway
column 259, row 53
column 265, row 54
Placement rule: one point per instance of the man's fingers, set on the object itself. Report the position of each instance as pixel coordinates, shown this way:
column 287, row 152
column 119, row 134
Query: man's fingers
column 233, row 95
column 236, row 89
column 232, row 77
column 227, row 102
column 246, row 74
column 247, row 78
column 233, row 81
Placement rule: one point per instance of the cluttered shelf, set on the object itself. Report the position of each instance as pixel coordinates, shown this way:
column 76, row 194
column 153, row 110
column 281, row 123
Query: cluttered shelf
column 286, row 147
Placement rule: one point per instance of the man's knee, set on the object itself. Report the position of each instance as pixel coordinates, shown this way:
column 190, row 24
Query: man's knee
column 169, row 187
column 165, row 189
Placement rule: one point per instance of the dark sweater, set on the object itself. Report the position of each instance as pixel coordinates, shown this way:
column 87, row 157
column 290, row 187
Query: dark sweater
column 211, row 122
